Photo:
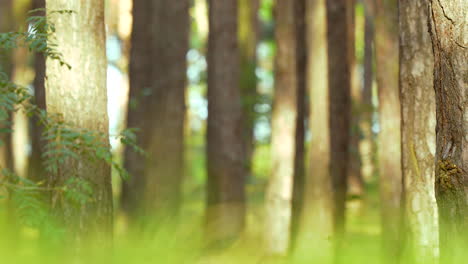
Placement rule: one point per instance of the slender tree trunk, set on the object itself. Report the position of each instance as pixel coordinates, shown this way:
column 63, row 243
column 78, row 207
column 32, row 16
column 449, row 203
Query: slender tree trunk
column 300, row 151
column 225, row 212
column 389, row 113
column 138, row 113
column 248, row 38
column 340, row 104
column 157, row 107
column 448, row 29
column 82, row 103
column 36, row 170
column 316, row 220
column 280, row 185
column 418, row 132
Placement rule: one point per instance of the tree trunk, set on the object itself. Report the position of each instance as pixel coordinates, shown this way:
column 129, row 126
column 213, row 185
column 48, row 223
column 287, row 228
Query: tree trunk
column 225, row 212
column 248, row 38
column 316, row 220
column 418, row 132
column 448, row 33
column 340, row 104
column 36, row 170
column 280, row 185
column 302, row 115
column 82, row 103
column 389, row 113
column 138, row 113
column 158, row 89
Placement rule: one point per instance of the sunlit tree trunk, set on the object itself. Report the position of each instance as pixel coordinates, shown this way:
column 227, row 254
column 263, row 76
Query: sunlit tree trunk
column 418, row 132
column 386, row 41
column 248, row 38
column 448, row 30
column 339, row 83
column 280, row 185
column 157, row 107
column 79, row 95
column 225, row 212
column 316, row 220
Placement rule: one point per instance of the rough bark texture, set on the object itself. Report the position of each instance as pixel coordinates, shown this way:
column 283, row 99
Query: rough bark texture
column 158, row 91
column 316, row 221
column 36, row 170
column 280, row 185
column 225, row 212
column 386, row 42
column 340, row 104
column 302, row 113
column 448, row 29
column 140, row 99
column 356, row 182
column 418, row 132
column 248, row 38
column 80, row 96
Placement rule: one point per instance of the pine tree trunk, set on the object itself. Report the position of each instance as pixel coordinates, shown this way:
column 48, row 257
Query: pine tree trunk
column 79, row 95
column 386, row 42
column 248, row 38
column 316, row 220
column 418, row 132
column 225, row 212
column 280, row 185
column 340, row 104
column 448, row 33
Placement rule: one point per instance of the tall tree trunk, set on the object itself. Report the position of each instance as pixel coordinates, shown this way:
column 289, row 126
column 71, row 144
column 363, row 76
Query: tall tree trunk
column 36, row 170
column 316, row 220
column 302, row 114
column 386, row 42
column 448, row 33
column 158, row 89
column 356, row 182
column 225, row 212
column 140, row 99
column 280, row 185
column 82, row 103
column 418, row 132
column 340, row 104
column 248, row 38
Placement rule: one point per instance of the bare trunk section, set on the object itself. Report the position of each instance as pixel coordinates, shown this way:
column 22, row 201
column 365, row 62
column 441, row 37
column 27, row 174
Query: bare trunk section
column 340, row 105
column 36, row 170
column 280, row 185
column 448, row 27
column 79, row 95
column 225, row 212
column 316, row 221
column 386, row 42
column 248, row 38
column 418, row 132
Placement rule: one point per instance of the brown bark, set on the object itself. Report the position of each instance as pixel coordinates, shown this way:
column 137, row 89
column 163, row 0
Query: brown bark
column 36, row 170
column 340, row 104
column 280, row 184
column 450, row 47
column 316, row 220
column 157, row 79
column 386, row 42
column 248, row 38
column 299, row 156
column 82, row 103
column 225, row 212
column 418, row 132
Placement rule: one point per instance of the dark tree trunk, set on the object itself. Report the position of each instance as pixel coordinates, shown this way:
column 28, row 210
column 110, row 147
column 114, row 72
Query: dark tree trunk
column 225, row 212
column 340, row 104
column 386, row 41
column 448, row 33
column 418, row 132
